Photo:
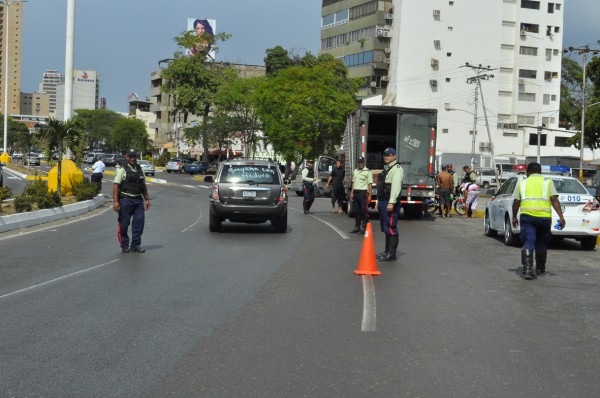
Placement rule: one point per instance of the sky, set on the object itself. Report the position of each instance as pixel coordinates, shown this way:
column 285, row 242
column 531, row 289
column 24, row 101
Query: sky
column 124, row 39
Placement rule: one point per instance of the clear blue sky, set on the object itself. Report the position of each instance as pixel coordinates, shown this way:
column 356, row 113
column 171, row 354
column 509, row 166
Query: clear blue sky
column 124, row 39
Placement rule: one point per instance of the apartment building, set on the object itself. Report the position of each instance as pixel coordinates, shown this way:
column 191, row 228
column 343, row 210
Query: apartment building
column 86, row 92
column 415, row 54
column 10, row 38
column 37, row 104
column 50, row 80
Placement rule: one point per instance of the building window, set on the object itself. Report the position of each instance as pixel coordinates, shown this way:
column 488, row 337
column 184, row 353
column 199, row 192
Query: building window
column 548, row 76
column 450, row 28
column 508, row 23
column 503, row 117
column 531, row 28
column 527, row 97
column 556, row 29
column 548, row 54
column 523, row 50
column 551, row 8
column 527, row 73
column 451, row 3
column 534, row 141
column 448, row 54
column 507, row 47
column 505, row 93
column 506, row 70
column 363, row 10
column 557, row 7
column 445, row 131
column 547, row 121
column 561, row 142
column 546, row 99
column 447, row 80
column 553, row 97
column 534, row 5
column 525, row 119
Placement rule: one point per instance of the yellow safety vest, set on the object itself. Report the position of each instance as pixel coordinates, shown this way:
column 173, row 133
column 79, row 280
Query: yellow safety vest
column 535, row 196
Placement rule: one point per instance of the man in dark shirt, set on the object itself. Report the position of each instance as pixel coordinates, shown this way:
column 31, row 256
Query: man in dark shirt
column 336, row 178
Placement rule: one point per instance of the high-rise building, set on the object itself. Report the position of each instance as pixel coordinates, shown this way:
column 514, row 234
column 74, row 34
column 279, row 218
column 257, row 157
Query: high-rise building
column 50, row 80
column 86, row 92
column 37, row 104
column 414, row 54
column 11, row 40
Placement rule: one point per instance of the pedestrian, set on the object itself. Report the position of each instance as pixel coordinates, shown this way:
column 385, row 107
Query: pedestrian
column 455, row 182
column 129, row 194
column 469, row 176
column 97, row 172
column 360, row 195
column 389, row 187
column 308, row 180
column 471, row 199
column 336, row 178
column 445, row 187
column 536, row 197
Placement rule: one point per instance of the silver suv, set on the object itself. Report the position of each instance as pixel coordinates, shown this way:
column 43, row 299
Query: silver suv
column 249, row 191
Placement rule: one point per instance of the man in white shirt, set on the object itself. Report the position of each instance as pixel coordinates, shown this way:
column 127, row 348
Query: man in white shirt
column 97, row 172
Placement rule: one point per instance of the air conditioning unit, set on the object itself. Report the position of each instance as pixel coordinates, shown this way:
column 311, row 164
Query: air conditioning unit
column 437, row 43
column 521, row 81
column 380, row 32
column 434, row 62
column 436, row 13
column 523, row 32
column 389, row 16
column 433, row 83
column 387, row 33
column 386, row 61
column 385, row 78
column 373, row 84
column 387, row 50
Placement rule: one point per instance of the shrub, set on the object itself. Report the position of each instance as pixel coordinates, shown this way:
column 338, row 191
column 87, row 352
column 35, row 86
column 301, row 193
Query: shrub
column 36, row 188
column 48, row 200
column 85, row 190
column 23, row 203
column 5, row 193
column 163, row 159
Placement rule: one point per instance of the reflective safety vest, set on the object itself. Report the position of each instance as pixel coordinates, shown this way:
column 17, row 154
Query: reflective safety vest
column 535, row 196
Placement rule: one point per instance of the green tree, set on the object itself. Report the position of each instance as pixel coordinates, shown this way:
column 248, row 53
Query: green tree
column 193, row 82
column 130, row 133
column 98, row 124
column 277, row 59
column 19, row 137
column 236, row 105
column 304, row 109
column 61, row 136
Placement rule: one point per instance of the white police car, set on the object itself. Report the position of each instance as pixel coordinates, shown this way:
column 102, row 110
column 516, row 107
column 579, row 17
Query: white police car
column 580, row 210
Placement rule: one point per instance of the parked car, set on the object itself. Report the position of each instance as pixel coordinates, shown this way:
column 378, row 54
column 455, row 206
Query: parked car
column 32, row 159
column 248, row 191
column 90, row 156
column 112, row 159
column 486, row 178
column 17, row 155
column 198, row 167
column 147, row 167
column 178, row 165
column 580, row 209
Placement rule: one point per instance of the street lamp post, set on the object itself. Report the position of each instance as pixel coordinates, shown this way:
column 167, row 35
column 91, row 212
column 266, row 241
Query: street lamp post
column 583, row 51
column 7, row 4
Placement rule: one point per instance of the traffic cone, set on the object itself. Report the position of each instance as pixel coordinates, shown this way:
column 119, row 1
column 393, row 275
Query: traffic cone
column 367, row 265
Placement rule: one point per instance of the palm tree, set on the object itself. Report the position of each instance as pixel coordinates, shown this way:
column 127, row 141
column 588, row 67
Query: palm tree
column 61, row 135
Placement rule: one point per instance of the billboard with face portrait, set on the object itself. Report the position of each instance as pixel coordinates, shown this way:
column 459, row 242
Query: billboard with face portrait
column 202, row 27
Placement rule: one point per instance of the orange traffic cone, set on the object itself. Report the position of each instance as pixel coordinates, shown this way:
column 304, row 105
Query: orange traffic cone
column 367, row 265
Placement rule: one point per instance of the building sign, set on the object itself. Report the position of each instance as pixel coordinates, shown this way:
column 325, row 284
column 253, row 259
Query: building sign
column 85, row 76
column 202, row 27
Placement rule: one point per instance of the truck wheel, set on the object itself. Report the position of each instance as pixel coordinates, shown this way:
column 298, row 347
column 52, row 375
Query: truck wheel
column 485, row 185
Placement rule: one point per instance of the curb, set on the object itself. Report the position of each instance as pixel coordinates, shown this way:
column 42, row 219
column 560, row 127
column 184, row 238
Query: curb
column 31, row 218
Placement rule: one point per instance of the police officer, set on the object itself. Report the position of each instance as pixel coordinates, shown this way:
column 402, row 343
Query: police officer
column 470, row 177
column 536, row 197
column 308, row 179
column 129, row 194
column 360, row 195
column 389, row 187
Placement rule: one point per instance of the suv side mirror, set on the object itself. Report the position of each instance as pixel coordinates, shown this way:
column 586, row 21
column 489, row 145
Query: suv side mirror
column 208, row 179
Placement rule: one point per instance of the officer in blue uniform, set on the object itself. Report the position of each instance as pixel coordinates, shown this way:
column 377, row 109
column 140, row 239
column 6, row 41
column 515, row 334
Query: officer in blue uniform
column 130, row 200
column 389, row 187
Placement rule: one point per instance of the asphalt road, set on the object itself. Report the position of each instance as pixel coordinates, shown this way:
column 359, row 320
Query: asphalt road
column 249, row 312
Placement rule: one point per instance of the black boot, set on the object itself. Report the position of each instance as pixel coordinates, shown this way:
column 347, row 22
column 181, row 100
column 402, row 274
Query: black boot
column 363, row 226
column 527, row 261
column 386, row 253
column 393, row 246
column 540, row 263
column 355, row 229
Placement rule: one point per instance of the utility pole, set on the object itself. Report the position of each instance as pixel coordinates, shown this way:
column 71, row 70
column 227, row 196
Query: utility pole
column 480, row 74
column 583, row 51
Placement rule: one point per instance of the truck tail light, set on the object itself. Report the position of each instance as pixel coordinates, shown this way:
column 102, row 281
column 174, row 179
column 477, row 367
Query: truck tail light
column 592, row 205
column 215, row 192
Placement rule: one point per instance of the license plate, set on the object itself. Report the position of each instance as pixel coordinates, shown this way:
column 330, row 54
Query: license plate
column 249, row 194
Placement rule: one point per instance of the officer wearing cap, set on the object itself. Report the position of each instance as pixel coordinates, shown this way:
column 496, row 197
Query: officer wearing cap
column 308, row 179
column 389, row 187
column 360, row 195
column 129, row 194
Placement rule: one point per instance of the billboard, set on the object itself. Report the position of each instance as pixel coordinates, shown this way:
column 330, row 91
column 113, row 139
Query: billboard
column 202, row 27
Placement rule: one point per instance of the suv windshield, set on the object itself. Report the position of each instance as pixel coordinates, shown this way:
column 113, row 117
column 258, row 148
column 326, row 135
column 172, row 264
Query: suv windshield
column 250, row 174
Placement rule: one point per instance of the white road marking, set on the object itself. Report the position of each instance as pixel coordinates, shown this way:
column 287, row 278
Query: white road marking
column 336, row 229
column 369, row 320
column 195, row 222
column 57, row 279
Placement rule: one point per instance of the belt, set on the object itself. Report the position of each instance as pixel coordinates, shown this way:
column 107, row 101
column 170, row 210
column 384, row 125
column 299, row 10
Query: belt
column 360, row 190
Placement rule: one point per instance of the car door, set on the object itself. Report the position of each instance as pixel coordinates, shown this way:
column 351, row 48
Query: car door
column 502, row 199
